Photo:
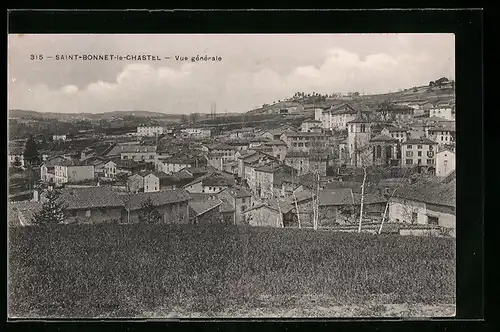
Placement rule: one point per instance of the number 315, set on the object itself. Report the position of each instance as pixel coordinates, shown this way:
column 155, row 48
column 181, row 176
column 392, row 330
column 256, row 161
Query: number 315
column 36, row 56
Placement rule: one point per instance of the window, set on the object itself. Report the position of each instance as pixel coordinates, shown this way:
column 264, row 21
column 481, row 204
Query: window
column 125, row 157
column 420, row 161
column 419, row 147
column 408, row 146
column 432, row 220
column 352, row 130
column 243, row 200
column 362, row 128
column 87, row 213
column 156, row 188
column 441, row 138
column 151, row 157
column 409, row 153
column 409, row 161
column 414, row 217
column 419, row 153
column 242, row 208
column 430, row 147
column 430, row 161
column 379, row 151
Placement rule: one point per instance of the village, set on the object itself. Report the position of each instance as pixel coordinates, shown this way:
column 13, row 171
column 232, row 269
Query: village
column 339, row 164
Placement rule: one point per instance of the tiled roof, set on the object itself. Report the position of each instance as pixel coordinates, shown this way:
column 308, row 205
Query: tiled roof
column 91, row 197
column 433, row 193
column 133, row 202
column 221, row 146
column 333, row 197
column 289, row 203
column 302, row 134
column 131, row 148
column 201, row 207
column 226, row 207
column 311, row 121
column 275, row 142
column 369, row 199
column 239, row 192
column 216, row 180
column 421, row 140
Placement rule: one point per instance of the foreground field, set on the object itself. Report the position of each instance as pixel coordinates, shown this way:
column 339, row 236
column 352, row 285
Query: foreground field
column 192, row 271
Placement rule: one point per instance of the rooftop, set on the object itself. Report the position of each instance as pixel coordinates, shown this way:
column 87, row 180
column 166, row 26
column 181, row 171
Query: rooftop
column 383, row 138
column 333, row 197
column 201, row 207
column 90, row 197
column 275, row 142
column 159, row 198
column 421, row 140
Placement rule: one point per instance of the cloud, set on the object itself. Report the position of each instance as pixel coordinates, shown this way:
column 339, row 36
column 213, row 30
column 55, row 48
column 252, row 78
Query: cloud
column 192, row 87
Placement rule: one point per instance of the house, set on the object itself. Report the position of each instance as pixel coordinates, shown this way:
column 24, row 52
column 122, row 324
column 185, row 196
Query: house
column 240, row 200
column 59, row 137
column 310, row 123
column 277, row 148
column 220, row 154
column 298, row 209
column 72, row 171
column 171, row 204
column 135, row 152
column 299, row 160
column 426, row 204
column 445, row 162
column 248, row 163
column 135, row 183
column 442, row 111
column 110, row 169
column 336, row 206
column 337, row 116
column 418, row 152
column 205, row 212
column 265, row 175
column 242, row 133
column 210, row 183
column 172, row 165
column 396, row 113
column 130, row 167
column 152, row 182
column 274, row 134
column 300, row 141
column 197, row 132
column 262, row 215
column 239, row 144
column 90, row 204
column 398, row 133
column 151, row 131
column 443, row 134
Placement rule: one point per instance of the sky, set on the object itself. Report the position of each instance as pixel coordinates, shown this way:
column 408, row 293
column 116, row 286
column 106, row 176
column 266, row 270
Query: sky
column 253, row 69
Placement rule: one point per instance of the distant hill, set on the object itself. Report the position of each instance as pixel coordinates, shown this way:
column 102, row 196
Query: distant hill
column 16, row 113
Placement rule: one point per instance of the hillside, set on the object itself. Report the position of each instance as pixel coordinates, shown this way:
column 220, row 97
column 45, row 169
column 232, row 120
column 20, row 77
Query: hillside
column 417, row 94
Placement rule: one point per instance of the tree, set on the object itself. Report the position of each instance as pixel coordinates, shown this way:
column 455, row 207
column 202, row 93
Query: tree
column 149, row 214
column 17, row 163
column 184, row 118
column 53, row 210
column 31, row 152
column 431, row 84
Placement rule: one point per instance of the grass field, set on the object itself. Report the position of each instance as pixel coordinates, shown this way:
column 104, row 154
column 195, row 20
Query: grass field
column 185, row 270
